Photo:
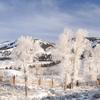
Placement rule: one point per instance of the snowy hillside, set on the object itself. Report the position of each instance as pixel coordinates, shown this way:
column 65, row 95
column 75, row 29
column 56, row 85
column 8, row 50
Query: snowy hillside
column 7, row 47
column 11, row 44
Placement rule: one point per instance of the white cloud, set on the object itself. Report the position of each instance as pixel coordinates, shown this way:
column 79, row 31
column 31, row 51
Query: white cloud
column 47, row 20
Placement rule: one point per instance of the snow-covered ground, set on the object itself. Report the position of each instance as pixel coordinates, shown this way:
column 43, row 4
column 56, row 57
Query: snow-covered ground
column 80, row 93
column 8, row 92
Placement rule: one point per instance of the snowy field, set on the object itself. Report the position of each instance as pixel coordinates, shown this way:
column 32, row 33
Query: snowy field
column 80, row 93
column 8, row 92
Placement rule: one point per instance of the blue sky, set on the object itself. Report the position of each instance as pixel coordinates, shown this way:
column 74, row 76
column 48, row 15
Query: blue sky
column 46, row 19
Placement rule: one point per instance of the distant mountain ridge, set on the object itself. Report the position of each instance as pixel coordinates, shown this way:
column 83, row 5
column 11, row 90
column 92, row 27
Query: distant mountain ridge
column 7, row 47
column 7, row 44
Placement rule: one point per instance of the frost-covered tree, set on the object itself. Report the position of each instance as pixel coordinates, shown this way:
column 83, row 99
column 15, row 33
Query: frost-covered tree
column 24, row 50
column 79, row 47
column 23, row 54
column 62, row 46
column 64, row 53
column 71, row 52
column 64, row 42
column 86, row 62
column 96, row 62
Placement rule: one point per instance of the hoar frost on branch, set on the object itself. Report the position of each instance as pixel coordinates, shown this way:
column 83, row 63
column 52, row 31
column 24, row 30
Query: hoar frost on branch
column 24, row 49
column 96, row 61
column 23, row 54
column 71, row 53
column 79, row 46
column 63, row 53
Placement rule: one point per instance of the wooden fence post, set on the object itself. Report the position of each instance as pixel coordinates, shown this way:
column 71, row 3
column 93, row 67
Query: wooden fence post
column 25, row 79
column 65, row 85
column 14, row 79
column 52, row 81
column 39, row 80
column 98, row 81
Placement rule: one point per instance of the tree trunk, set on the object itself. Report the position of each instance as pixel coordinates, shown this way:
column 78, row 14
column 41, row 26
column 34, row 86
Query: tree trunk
column 52, row 81
column 73, row 73
column 25, row 82
column 65, row 85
